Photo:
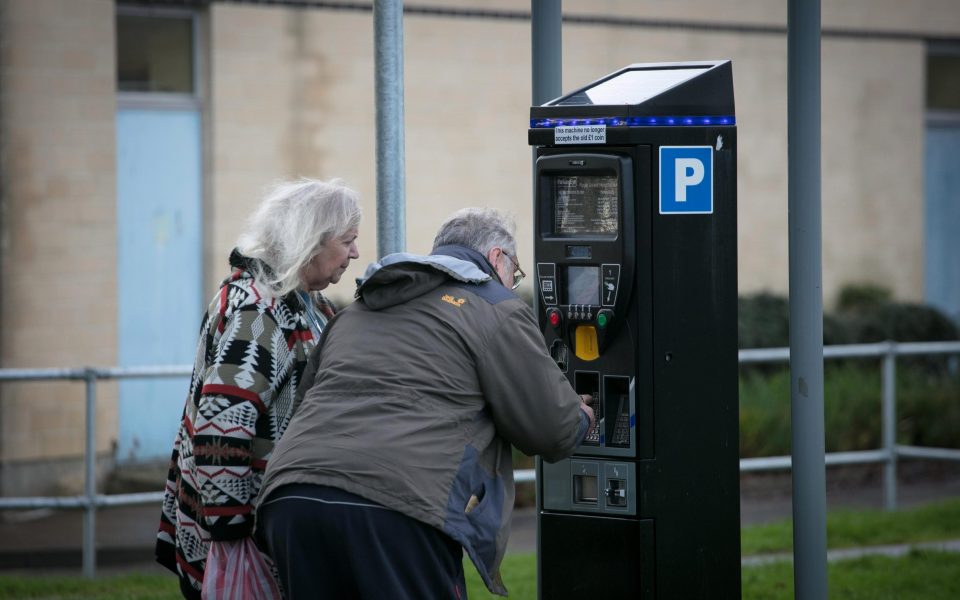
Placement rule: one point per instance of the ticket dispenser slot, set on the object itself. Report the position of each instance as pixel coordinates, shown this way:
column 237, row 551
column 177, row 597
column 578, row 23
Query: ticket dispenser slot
column 586, row 484
column 592, row 486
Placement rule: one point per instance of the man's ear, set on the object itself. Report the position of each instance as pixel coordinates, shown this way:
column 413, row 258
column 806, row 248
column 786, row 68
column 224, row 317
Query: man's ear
column 491, row 256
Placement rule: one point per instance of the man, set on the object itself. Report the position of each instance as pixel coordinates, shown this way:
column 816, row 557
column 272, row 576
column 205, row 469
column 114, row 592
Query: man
column 399, row 455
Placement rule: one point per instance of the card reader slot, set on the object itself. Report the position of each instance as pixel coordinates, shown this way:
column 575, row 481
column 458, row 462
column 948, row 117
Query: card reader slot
column 617, row 400
column 558, row 350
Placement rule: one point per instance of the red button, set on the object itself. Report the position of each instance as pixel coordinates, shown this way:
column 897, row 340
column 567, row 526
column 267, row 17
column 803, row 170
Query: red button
column 554, row 318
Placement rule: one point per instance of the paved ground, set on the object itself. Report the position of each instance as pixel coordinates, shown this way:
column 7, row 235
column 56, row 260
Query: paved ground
column 51, row 540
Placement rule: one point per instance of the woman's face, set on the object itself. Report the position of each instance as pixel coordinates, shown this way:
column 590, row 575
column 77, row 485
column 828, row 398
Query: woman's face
column 328, row 266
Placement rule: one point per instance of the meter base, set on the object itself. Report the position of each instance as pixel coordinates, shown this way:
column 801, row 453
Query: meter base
column 594, row 557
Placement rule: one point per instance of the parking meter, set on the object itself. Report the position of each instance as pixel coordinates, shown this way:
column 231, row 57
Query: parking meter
column 636, row 295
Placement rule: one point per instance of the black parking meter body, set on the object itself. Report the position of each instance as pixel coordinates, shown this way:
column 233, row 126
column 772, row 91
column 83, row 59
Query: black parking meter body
column 636, row 294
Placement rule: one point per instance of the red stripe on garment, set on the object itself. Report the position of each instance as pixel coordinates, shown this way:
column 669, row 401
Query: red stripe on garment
column 221, row 325
column 258, row 463
column 238, row 471
column 221, row 511
column 298, row 335
column 167, row 527
column 189, row 569
column 237, row 392
column 327, row 310
column 256, row 293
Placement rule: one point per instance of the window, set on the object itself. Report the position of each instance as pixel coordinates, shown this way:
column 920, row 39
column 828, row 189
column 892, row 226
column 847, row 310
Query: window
column 943, row 81
column 155, row 54
column 941, row 165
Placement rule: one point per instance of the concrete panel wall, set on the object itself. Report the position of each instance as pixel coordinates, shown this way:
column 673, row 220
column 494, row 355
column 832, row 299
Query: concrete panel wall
column 467, row 93
column 872, row 161
column 57, row 234
column 290, row 92
column 291, row 95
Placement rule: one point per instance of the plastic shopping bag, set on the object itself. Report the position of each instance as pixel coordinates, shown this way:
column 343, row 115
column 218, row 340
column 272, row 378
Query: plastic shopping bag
column 237, row 571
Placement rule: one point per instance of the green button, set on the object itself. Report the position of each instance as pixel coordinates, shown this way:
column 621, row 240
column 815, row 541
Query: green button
column 602, row 320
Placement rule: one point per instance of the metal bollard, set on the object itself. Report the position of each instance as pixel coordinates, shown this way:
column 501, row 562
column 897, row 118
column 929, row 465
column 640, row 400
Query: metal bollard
column 889, row 393
column 90, row 479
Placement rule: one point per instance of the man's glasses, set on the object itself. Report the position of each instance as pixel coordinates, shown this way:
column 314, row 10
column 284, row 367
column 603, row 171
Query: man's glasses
column 518, row 274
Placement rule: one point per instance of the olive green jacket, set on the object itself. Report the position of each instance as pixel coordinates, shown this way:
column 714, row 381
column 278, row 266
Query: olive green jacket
column 422, row 386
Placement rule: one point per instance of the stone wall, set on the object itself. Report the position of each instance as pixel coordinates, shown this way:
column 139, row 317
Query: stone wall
column 289, row 92
column 58, row 232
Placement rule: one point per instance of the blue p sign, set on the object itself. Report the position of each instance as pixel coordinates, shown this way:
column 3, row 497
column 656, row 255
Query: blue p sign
column 686, row 180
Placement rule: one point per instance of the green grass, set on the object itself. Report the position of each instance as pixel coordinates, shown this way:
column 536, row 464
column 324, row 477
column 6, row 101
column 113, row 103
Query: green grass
column 845, row 529
column 926, row 575
column 916, row 576
column 134, row 586
column 519, row 575
column 919, row 575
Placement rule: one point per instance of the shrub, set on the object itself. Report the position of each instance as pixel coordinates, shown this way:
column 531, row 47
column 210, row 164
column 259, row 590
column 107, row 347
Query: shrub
column 901, row 322
column 763, row 321
column 854, row 297
column 865, row 314
column 928, row 408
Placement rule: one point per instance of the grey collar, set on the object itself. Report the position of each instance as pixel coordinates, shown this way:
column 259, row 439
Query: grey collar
column 461, row 270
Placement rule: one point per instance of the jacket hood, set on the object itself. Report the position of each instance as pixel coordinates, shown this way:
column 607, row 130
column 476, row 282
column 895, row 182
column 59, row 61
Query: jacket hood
column 401, row 276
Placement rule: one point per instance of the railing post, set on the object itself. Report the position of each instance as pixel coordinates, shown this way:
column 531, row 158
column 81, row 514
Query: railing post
column 889, row 393
column 90, row 479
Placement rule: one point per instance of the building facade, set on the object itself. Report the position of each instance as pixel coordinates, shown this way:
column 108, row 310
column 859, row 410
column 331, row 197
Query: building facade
column 135, row 138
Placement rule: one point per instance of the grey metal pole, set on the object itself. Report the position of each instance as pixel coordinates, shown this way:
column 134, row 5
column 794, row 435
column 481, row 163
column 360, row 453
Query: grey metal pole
column 889, row 374
column 90, row 478
column 806, row 300
column 547, row 67
column 546, row 76
column 391, row 185
column 547, row 49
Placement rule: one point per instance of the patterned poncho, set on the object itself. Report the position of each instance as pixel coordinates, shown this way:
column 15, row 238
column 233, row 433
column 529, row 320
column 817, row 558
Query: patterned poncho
column 249, row 363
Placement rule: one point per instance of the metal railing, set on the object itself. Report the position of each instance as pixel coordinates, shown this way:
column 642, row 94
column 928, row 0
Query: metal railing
column 888, row 454
column 90, row 500
column 890, row 451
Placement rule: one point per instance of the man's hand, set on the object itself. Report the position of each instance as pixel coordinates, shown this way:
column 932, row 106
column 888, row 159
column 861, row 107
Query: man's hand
column 586, row 400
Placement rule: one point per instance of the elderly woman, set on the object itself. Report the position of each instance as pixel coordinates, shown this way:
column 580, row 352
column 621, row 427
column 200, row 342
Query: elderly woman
column 254, row 344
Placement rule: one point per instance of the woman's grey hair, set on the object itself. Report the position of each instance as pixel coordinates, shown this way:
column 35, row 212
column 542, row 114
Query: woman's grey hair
column 294, row 220
column 480, row 229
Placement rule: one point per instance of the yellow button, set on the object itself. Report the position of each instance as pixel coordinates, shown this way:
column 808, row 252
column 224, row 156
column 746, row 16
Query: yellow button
column 586, row 343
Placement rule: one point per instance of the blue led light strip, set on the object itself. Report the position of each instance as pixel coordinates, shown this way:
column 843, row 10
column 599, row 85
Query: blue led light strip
column 633, row 122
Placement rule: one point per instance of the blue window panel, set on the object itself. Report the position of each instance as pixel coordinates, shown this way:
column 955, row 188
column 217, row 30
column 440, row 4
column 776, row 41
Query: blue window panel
column 942, row 221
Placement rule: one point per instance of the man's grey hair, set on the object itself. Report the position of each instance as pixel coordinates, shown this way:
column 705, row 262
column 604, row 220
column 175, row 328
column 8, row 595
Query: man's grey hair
column 479, row 229
column 291, row 225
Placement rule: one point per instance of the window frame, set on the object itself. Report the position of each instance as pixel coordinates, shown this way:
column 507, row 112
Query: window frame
column 165, row 100
column 941, row 117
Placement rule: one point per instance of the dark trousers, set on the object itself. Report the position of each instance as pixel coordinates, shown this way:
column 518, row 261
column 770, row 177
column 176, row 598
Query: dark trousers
column 328, row 543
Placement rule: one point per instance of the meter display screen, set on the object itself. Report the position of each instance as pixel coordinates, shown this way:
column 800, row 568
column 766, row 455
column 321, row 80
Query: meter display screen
column 585, row 204
column 583, row 285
